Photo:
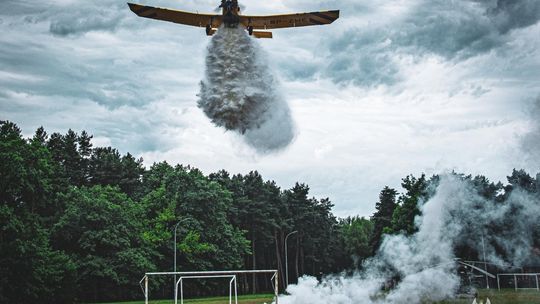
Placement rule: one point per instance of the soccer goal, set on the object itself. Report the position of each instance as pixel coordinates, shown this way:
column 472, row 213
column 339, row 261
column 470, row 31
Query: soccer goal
column 232, row 285
column 192, row 275
column 518, row 281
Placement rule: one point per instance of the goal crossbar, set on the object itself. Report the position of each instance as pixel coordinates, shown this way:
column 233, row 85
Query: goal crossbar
column 211, row 272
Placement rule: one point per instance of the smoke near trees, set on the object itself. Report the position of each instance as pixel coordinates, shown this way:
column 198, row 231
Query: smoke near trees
column 457, row 216
column 83, row 223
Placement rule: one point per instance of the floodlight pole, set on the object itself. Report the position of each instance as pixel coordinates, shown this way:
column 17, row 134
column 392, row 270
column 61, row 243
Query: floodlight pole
column 286, row 261
column 176, row 228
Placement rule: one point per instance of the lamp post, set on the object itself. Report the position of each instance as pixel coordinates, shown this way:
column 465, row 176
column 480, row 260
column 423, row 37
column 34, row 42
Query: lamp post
column 176, row 228
column 286, row 261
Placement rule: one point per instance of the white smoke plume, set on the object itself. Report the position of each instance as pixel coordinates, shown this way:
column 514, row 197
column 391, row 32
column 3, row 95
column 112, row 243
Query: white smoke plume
column 425, row 262
column 240, row 94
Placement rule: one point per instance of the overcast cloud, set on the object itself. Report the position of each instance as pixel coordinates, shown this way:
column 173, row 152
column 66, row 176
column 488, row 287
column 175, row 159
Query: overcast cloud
column 392, row 88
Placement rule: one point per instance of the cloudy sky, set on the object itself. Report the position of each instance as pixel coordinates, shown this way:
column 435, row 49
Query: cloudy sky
column 394, row 87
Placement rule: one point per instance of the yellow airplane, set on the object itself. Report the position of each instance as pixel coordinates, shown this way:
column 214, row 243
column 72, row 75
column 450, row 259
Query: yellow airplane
column 231, row 17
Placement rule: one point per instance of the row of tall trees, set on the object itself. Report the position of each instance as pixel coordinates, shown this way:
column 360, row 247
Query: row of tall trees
column 396, row 213
column 83, row 223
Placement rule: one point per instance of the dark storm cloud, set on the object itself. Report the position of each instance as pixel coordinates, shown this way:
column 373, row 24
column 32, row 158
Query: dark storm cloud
column 69, row 18
column 511, row 14
column 73, row 24
column 94, row 65
column 454, row 30
column 363, row 58
column 59, row 73
column 20, row 7
column 52, row 45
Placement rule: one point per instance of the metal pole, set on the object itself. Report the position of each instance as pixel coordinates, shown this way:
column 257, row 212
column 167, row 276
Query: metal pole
column 181, row 291
column 175, row 292
column 498, row 282
column 230, row 291
column 235, row 291
column 146, row 290
column 276, row 287
column 175, row 228
column 286, row 261
column 175, row 284
column 515, row 282
column 536, row 277
column 485, row 265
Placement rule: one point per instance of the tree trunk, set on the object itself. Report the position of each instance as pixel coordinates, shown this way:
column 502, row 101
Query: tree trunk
column 302, row 261
column 282, row 241
column 278, row 259
column 267, row 265
column 245, row 283
column 296, row 255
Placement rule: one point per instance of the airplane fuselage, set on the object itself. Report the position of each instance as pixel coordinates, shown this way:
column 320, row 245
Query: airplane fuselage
column 231, row 12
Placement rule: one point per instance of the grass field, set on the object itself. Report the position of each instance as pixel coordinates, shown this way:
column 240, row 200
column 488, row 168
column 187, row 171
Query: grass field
column 247, row 299
column 495, row 296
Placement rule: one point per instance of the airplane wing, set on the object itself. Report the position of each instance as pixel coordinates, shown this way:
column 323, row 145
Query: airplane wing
column 187, row 18
column 289, row 20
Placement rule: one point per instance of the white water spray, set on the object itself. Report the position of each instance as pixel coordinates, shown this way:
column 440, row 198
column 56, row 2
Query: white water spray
column 425, row 262
column 240, row 94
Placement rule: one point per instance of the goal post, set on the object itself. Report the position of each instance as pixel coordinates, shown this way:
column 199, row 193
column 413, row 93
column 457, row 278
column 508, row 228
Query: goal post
column 182, row 278
column 207, row 275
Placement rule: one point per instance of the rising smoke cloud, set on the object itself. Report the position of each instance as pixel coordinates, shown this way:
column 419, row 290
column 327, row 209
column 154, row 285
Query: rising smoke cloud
column 425, row 262
column 241, row 95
